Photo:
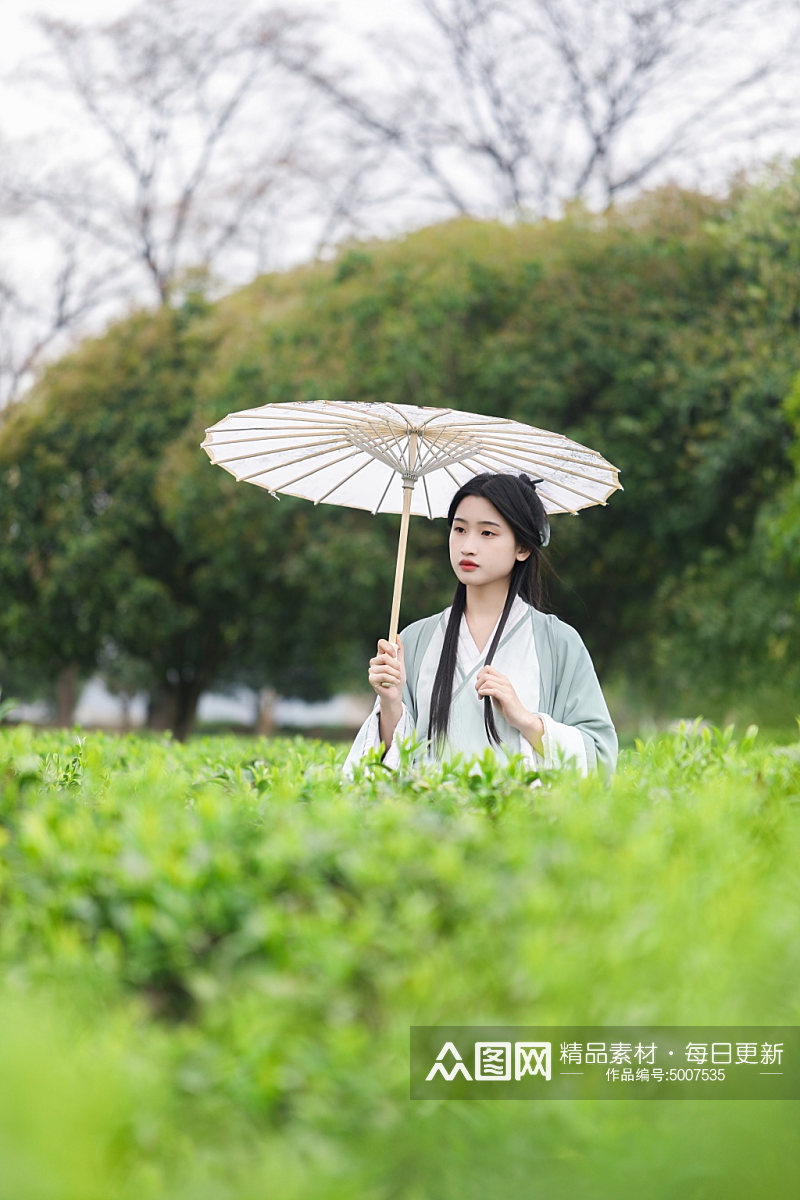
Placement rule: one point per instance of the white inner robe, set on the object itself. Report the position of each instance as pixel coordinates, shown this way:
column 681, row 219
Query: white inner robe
column 515, row 658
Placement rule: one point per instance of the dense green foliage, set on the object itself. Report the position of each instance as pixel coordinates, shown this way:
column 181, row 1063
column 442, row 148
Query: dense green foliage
column 664, row 334
column 212, row 954
column 116, row 555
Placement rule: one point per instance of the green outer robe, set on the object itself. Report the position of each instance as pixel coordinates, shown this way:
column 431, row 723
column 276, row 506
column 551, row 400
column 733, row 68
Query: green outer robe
column 552, row 673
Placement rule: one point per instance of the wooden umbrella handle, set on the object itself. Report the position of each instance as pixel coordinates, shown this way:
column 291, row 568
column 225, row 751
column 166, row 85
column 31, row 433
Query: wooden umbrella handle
column 408, row 488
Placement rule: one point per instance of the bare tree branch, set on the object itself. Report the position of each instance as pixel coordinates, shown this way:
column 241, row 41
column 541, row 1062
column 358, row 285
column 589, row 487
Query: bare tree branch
column 33, row 325
column 184, row 139
column 515, row 106
column 175, row 94
column 199, row 137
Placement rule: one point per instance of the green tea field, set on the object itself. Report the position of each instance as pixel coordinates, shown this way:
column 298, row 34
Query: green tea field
column 211, row 955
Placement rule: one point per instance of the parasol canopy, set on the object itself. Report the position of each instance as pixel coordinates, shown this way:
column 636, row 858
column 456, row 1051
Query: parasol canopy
column 399, row 458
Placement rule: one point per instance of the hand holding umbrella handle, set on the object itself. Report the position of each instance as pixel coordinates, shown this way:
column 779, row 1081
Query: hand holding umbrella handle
column 387, row 670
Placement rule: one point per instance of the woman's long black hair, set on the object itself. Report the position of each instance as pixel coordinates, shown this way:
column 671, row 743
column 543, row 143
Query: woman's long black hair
column 514, row 497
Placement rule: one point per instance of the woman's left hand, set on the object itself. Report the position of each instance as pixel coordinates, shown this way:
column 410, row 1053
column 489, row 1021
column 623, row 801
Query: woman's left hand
column 491, row 682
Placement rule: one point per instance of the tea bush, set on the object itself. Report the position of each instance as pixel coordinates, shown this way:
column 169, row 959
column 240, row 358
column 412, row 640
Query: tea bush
column 212, row 953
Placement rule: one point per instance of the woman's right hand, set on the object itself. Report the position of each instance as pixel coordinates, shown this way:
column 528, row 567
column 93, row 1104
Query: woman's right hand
column 387, row 672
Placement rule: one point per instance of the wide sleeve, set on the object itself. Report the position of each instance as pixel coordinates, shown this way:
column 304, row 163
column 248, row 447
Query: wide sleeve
column 562, row 746
column 368, row 737
column 577, row 725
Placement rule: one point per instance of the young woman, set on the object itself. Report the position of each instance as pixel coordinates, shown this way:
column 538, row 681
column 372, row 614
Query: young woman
column 493, row 669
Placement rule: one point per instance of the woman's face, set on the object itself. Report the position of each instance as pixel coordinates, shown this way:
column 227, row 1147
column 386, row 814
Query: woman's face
column 483, row 548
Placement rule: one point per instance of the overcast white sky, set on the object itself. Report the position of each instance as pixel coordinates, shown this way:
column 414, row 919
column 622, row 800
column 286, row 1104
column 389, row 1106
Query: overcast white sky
column 20, row 40
column 19, row 37
column 30, row 120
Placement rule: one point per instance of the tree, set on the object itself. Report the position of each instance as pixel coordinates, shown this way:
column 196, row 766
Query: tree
column 77, row 460
column 513, row 107
column 782, row 545
column 186, row 149
column 38, row 321
column 727, row 626
column 188, row 168
column 119, row 542
column 662, row 333
column 506, row 108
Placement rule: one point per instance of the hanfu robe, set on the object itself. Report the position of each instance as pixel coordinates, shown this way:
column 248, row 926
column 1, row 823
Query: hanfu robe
column 550, row 670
